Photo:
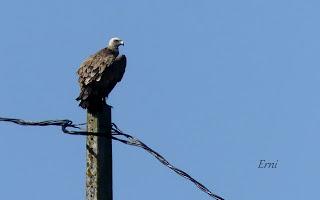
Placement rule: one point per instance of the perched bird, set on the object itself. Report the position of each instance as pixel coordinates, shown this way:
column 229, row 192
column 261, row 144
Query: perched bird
column 98, row 75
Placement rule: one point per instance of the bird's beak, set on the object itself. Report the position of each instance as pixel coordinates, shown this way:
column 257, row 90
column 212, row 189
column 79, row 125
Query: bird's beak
column 121, row 43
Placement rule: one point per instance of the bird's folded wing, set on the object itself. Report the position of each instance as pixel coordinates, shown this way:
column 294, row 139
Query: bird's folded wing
column 120, row 65
column 93, row 68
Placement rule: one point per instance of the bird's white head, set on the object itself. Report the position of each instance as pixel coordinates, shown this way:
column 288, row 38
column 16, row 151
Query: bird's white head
column 115, row 42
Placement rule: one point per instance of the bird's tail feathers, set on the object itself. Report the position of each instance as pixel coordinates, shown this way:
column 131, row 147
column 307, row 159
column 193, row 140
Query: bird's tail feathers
column 90, row 101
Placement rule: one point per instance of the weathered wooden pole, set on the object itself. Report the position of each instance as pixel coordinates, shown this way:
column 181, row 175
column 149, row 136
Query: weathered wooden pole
column 99, row 156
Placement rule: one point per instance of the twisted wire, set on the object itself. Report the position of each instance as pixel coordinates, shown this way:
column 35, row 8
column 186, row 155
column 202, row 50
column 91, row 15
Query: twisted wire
column 136, row 142
column 115, row 131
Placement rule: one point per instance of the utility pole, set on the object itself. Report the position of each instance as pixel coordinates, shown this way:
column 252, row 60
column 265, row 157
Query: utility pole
column 99, row 156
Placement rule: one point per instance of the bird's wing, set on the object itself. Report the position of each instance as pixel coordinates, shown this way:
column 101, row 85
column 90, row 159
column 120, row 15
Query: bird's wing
column 120, row 67
column 93, row 67
column 113, row 74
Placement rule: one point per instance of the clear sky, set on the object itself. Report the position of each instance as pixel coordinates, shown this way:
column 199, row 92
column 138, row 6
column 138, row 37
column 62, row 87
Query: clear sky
column 214, row 86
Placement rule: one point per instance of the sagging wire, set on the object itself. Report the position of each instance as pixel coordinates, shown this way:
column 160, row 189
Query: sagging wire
column 115, row 131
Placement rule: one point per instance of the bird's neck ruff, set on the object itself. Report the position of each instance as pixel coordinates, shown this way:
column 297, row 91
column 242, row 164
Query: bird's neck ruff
column 113, row 50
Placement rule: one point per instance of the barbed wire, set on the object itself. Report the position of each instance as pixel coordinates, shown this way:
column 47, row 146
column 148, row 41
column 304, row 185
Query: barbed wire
column 115, row 131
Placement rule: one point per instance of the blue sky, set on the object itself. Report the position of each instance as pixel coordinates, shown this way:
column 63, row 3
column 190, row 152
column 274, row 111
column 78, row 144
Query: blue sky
column 214, row 86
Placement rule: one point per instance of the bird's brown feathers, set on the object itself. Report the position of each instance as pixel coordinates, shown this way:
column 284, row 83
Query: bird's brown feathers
column 93, row 68
column 98, row 75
